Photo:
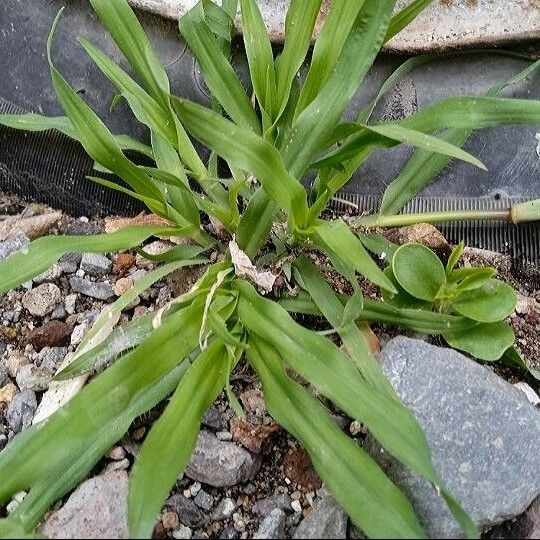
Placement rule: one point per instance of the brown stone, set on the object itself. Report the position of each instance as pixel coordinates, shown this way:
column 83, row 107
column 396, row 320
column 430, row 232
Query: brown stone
column 7, row 393
column 170, row 520
column 51, row 334
column 298, row 468
column 422, row 233
column 7, row 333
column 122, row 263
column 253, row 437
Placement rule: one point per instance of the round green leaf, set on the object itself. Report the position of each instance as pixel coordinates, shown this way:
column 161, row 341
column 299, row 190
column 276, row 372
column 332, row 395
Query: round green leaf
column 419, row 271
column 490, row 303
column 401, row 299
column 485, row 341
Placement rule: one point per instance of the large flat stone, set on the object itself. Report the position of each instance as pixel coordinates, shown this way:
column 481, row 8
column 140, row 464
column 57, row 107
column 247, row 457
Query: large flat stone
column 483, row 433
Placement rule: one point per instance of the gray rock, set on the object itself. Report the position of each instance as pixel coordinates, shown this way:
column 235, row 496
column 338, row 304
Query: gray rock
column 220, row 463
column 213, row 419
column 70, row 303
column 188, row 512
column 53, row 358
column 4, row 377
column 42, row 300
column 100, row 291
column 58, row 312
column 16, row 243
column 327, row 520
column 225, row 509
column 21, row 410
column 483, row 434
column 96, row 509
column 34, row 378
column 263, row 507
column 204, row 500
column 182, row 533
column 95, row 264
column 69, row 263
column 78, row 333
column 272, row 526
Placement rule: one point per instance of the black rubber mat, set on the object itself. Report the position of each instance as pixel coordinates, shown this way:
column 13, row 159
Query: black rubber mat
column 50, row 168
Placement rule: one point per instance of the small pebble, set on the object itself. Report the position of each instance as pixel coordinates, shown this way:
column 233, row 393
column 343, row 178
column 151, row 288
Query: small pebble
column 78, row 333
column 95, row 264
column 204, row 500
column 69, row 263
column 296, row 506
column 182, row 533
column 356, row 428
column 195, row 488
column 42, row 300
column 122, row 285
column 7, row 393
column 224, row 436
column 170, row 520
column 225, row 509
column 117, row 454
column 69, row 303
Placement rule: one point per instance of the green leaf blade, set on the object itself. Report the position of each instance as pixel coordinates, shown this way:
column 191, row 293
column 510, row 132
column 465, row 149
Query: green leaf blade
column 172, row 439
column 419, row 271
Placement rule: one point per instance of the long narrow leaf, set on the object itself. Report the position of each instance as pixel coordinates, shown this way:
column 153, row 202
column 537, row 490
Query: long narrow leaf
column 423, row 167
column 404, row 17
column 328, row 47
column 124, row 27
column 358, row 53
column 172, row 439
column 72, row 430
column 38, row 122
column 96, row 139
column 248, row 152
column 65, row 476
column 299, row 25
column 337, row 241
column 260, row 56
column 256, row 223
column 322, row 363
column 218, row 73
column 45, row 251
column 390, row 134
column 347, row 470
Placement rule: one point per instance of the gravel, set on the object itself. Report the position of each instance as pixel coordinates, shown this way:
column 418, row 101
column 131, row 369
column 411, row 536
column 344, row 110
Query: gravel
column 327, row 520
column 188, row 512
column 265, row 506
column 16, row 243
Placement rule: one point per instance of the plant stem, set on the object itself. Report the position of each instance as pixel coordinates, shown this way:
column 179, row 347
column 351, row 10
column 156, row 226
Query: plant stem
column 528, row 211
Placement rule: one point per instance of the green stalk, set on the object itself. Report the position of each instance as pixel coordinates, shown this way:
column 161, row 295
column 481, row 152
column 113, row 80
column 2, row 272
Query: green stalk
column 518, row 213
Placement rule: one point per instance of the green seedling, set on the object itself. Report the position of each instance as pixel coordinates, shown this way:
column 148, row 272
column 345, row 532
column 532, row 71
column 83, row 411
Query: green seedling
column 423, row 282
